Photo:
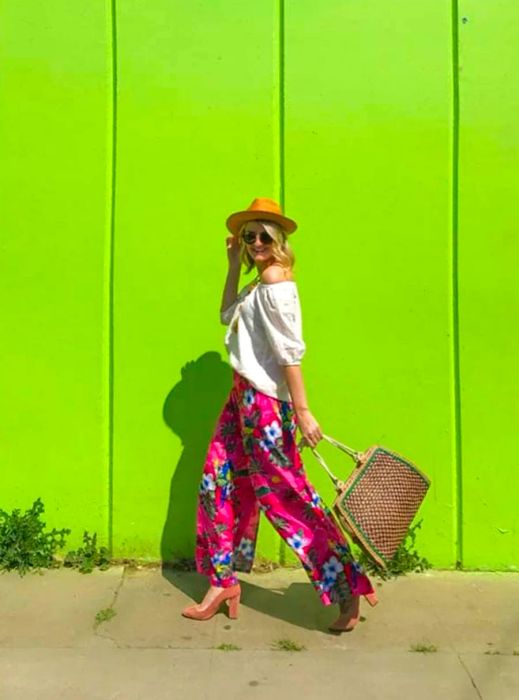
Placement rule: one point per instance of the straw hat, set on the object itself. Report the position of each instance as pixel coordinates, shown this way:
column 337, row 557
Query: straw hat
column 262, row 209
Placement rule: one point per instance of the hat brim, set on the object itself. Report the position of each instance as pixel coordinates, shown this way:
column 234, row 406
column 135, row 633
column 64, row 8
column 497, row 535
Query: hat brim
column 236, row 220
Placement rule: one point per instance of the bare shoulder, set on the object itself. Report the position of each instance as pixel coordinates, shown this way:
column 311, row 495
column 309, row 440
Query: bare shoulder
column 276, row 273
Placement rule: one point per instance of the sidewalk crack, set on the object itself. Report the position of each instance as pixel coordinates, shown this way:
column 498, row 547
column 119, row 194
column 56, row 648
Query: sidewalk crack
column 469, row 674
column 97, row 627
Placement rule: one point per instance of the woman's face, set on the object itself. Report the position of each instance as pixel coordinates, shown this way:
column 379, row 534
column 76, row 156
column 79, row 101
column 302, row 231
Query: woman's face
column 259, row 250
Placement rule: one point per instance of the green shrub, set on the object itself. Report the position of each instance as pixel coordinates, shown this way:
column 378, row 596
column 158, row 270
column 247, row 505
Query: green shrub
column 406, row 559
column 86, row 558
column 24, row 544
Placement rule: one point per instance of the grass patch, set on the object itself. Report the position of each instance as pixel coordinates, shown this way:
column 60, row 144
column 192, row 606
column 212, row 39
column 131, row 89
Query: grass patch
column 228, row 647
column 423, row 648
column 105, row 615
column 515, row 652
column 287, row 645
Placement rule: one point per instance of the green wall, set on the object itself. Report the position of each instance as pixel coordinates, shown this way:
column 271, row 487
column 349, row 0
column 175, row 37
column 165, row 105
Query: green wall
column 130, row 130
column 55, row 150
column 488, row 257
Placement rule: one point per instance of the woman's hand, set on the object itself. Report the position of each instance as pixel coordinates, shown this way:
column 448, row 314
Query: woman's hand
column 233, row 251
column 309, row 427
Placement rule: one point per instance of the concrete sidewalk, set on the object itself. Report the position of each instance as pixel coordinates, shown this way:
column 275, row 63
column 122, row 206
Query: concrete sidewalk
column 51, row 647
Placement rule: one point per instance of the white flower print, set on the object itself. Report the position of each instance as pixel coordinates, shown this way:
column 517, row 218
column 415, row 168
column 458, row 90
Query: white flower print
column 316, row 500
column 331, row 568
column 273, row 431
column 296, row 542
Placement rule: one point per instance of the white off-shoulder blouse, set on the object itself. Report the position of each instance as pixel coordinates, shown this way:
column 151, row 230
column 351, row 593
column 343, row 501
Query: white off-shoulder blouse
column 264, row 334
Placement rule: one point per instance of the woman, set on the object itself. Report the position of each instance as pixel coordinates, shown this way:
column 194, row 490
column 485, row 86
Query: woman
column 253, row 463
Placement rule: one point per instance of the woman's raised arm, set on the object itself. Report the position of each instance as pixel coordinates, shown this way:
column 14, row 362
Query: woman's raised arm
column 230, row 290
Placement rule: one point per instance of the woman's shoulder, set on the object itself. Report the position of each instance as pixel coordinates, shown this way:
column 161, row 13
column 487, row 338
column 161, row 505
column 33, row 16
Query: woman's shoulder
column 277, row 290
column 275, row 274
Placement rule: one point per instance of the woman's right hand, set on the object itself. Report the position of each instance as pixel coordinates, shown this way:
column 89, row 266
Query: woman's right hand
column 309, row 427
column 233, row 251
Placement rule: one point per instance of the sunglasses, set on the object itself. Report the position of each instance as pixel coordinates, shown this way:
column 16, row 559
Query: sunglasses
column 250, row 237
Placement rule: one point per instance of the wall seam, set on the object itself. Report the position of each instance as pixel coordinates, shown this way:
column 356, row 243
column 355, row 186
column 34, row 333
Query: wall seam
column 281, row 148
column 281, row 103
column 110, row 314
column 458, row 481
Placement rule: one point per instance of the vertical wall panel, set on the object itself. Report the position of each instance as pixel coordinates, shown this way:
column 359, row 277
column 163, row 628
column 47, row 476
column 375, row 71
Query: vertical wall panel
column 368, row 176
column 488, row 281
column 55, row 99
column 197, row 138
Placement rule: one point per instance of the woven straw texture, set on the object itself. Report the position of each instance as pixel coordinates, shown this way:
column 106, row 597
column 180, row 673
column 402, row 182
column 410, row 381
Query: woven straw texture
column 378, row 502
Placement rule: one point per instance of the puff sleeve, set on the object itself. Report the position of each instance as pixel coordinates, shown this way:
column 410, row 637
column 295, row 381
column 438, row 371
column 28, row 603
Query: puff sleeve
column 280, row 313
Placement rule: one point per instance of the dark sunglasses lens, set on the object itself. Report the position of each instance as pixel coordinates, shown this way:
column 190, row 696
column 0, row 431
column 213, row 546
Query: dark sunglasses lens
column 250, row 237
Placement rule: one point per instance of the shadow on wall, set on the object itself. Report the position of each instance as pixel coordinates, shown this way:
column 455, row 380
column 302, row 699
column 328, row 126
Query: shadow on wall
column 191, row 410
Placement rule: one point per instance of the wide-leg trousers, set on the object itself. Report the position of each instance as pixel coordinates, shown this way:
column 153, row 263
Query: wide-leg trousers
column 253, row 465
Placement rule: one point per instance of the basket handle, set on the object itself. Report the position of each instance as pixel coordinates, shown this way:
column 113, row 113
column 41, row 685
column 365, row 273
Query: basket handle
column 356, row 456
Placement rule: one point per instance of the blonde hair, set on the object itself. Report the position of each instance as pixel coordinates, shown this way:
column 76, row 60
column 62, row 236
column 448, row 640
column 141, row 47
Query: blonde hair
column 281, row 250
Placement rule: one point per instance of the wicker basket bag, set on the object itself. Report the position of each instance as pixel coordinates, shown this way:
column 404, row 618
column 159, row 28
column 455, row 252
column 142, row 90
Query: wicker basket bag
column 379, row 500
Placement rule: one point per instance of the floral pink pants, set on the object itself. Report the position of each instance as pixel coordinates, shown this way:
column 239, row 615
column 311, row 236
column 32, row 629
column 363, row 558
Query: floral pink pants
column 253, row 464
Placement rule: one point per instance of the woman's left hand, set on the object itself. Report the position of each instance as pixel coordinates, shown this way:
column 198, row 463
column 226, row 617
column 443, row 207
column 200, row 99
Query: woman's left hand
column 309, row 427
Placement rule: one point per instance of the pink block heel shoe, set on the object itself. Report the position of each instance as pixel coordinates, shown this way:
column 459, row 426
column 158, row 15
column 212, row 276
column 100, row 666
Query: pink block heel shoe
column 234, row 605
column 350, row 613
column 230, row 595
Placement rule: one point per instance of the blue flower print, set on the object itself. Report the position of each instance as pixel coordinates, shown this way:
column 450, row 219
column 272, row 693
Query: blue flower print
column 331, row 568
column 287, row 417
column 266, row 445
column 221, row 562
column 248, row 398
column 224, row 480
column 343, row 552
column 207, row 484
column 316, row 500
column 223, row 472
column 221, row 558
column 225, row 492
